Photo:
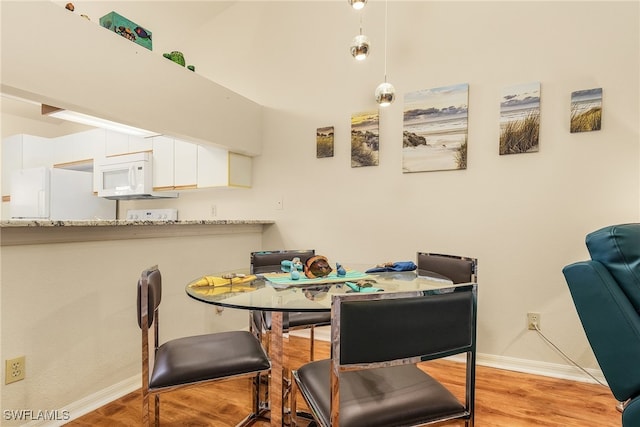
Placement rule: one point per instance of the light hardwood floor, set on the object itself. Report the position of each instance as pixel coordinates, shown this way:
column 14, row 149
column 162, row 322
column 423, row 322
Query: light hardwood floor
column 503, row 399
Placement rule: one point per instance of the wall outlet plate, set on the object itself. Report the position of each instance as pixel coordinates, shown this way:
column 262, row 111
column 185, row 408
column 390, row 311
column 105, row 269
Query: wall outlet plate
column 14, row 370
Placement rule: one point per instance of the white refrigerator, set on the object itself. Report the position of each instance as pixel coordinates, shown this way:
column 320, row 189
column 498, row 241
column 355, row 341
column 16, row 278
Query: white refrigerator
column 57, row 195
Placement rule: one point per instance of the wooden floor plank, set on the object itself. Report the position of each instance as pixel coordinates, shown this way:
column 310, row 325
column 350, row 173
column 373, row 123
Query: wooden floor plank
column 503, row 399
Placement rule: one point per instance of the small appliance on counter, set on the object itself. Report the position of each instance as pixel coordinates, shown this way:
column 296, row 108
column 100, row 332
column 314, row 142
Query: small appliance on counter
column 152, row 215
column 57, row 195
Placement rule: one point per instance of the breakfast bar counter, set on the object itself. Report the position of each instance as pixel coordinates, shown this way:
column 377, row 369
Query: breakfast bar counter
column 24, row 232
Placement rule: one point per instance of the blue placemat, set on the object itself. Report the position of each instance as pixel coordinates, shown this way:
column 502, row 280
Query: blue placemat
column 284, row 279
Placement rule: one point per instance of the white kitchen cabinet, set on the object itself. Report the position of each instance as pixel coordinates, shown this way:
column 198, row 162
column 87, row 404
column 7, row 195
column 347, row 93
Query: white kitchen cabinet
column 163, row 163
column 212, row 166
column 138, row 144
column 77, row 151
column 117, row 143
column 240, row 170
column 185, row 165
column 217, row 167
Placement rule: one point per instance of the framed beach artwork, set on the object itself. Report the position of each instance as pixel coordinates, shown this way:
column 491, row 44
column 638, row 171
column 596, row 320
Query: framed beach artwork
column 365, row 139
column 435, row 128
column 324, row 142
column 520, row 119
column 586, row 110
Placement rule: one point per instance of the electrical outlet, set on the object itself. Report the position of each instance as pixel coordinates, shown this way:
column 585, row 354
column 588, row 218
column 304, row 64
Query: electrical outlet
column 533, row 321
column 279, row 205
column 14, row 370
column 214, row 210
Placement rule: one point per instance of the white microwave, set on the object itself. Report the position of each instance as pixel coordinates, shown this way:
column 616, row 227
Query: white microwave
column 127, row 177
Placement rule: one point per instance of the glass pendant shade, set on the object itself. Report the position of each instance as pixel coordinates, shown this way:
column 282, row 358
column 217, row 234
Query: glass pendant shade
column 385, row 94
column 357, row 4
column 360, row 47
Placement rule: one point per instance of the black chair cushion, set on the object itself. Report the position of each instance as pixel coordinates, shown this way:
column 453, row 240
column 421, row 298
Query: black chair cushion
column 205, row 357
column 382, row 397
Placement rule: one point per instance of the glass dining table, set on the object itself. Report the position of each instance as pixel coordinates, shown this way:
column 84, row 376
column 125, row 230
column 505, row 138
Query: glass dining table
column 278, row 295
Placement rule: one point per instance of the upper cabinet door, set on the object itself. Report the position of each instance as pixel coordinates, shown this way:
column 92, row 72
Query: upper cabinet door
column 240, row 170
column 163, row 163
column 213, row 167
column 116, row 143
column 186, row 164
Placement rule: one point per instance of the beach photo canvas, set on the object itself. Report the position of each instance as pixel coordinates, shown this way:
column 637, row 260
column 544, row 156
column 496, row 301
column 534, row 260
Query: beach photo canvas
column 324, row 142
column 435, row 128
column 586, row 110
column 520, row 119
column 365, row 139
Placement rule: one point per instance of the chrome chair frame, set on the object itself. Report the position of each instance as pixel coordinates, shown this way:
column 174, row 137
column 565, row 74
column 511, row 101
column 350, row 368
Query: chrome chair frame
column 260, row 321
column 149, row 295
column 371, row 344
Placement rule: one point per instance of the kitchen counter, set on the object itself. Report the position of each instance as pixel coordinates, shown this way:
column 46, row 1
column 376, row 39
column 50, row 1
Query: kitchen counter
column 25, row 232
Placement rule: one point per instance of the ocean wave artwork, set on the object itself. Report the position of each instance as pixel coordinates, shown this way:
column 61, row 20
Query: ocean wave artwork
column 435, row 127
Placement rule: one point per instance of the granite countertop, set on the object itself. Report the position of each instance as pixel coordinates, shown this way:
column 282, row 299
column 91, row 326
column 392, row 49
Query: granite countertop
column 121, row 222
column 26, row 232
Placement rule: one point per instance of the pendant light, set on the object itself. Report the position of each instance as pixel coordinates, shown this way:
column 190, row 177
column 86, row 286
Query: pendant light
column 360, row 45
column 385, row 92
column 357, row 4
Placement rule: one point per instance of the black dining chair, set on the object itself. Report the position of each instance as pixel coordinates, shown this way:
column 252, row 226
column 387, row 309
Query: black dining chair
column 373, row 378
column 270, row 262
column 458, row 269
column 193, row 360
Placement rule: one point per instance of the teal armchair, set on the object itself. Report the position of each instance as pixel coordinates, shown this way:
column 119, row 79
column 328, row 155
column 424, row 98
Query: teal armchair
column 606, row 294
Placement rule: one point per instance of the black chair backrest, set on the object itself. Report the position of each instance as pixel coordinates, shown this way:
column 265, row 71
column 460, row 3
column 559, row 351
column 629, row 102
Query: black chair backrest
column 457, row 268
column 152, row 280
column 269, row 261
column 390, row 327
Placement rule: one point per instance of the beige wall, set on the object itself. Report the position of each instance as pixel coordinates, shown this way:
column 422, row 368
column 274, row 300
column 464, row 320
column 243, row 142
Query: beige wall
column 523, row 216
column 70, row 308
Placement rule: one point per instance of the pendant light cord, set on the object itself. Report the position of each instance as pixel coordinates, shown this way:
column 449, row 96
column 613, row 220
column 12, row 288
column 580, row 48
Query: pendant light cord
column 386, row 11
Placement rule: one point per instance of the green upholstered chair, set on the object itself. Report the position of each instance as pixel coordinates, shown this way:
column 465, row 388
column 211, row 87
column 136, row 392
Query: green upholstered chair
column 606, row 294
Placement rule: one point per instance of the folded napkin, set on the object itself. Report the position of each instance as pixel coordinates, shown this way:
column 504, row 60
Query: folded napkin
column 221, row 281
column 223, row 290
column 393, row 266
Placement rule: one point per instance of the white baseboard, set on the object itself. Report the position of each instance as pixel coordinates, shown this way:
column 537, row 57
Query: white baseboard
column 554, row 370
column 91, row 403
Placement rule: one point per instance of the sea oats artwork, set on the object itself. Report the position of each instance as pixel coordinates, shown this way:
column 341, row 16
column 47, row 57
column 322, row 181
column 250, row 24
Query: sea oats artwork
column 365, row 139
column 324, row 142
column 520, row 119
column 586, row 110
